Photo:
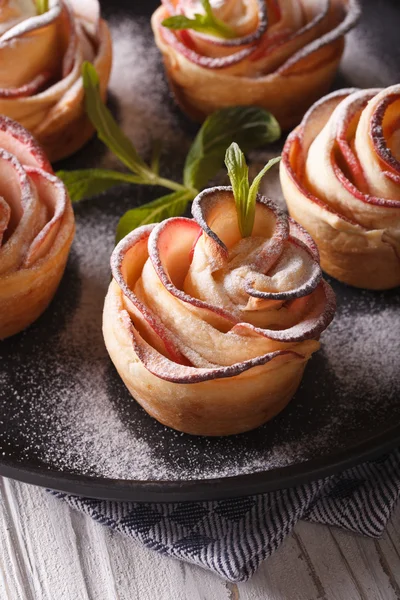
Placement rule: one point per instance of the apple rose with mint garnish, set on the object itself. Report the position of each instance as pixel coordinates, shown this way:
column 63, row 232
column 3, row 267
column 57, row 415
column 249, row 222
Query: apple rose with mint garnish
column 278, row 54
column 340, row 176
column 36, row 229
column 42, row 47
column 211, row 321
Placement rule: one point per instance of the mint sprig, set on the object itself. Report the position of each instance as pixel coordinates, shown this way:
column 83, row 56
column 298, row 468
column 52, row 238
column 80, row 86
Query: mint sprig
column 107, row 129
column 89, row 182
column 203, row 23
column 251, row 127
column 42, row 6
column 244, row 193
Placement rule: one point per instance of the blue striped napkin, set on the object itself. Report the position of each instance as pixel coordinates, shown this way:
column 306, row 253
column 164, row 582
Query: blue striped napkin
column 232, row 537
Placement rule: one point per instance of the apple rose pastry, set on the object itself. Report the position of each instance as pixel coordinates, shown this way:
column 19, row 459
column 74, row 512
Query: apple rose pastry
column 209, row 330
column 41, row 56
column 278, row 54
column 340, row 176
column 36, row 229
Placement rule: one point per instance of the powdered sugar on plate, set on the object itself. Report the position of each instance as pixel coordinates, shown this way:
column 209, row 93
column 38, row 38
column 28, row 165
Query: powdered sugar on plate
column 62, row 404
column 365, row 341
column 138, row 82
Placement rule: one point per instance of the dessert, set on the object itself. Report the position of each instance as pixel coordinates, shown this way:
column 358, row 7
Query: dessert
column 278, row 54
column 43, row 89
column 340, row 176
column 36, row 229
column 210, row 331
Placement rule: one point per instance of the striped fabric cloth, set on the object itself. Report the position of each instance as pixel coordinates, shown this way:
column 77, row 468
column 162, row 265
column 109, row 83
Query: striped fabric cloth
column 232, row 537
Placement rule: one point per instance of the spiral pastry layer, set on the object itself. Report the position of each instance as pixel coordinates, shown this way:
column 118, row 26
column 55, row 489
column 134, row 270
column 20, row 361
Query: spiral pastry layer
column 43, row 90
column 340, row 176
column 211, row 332
column 283, row 56
column 36, row 229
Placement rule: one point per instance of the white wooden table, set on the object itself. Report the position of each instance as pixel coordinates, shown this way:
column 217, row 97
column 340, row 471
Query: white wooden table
column 51, row 552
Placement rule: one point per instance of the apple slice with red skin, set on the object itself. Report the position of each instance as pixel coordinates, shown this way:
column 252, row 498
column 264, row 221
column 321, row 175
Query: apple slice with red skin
column 126, row 273
column 314, row 324
column 18, row 141
column 162, row 367
column 341, row 180
column 53, row 195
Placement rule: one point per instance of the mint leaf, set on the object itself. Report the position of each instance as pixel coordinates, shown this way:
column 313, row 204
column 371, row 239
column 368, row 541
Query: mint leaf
column 257, row 180
column 181, row 22
column 107, row 128
column 245, row 196
column 249, row 126
column 204, row 23
column 171, row 205
column 239, row 175
column 42, row 6
column 89, row 182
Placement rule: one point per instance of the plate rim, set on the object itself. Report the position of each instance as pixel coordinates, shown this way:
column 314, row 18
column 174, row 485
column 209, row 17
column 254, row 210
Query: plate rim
column 189, row 490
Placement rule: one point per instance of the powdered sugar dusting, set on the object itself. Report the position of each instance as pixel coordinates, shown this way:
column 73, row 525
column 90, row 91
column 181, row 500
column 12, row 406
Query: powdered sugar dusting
column 65, row 407
column 139, row 84
column 360, row 63
column 365, row 341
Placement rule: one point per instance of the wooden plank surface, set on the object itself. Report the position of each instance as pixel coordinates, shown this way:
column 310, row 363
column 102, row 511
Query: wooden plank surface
column 51, row 552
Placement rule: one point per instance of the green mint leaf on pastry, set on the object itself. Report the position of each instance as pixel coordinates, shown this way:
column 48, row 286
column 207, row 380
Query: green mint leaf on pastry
column 89, row 182
column 42, row 6
column 203, row 23
column 171, row 205
column 239, row 175
column 244, row 194
column 249, row 126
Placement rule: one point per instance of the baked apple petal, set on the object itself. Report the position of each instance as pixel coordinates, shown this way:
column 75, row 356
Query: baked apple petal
column 167, row 370
column 293, row 165
column 31, row 38
column 215, row 212
column 323, row 307
column 28, row 89
column 378, row 128
column 171, row 268
column 200, row 60
column 25, row 216
column 296, row 27
column 345, row 15
column 296, row 271
column 128, row 260
column 88, row 13
column 18, row 141
column 54, row 197
column 69, row 32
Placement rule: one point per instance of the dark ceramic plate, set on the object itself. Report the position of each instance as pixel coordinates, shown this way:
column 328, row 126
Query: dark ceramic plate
column 68, row 423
